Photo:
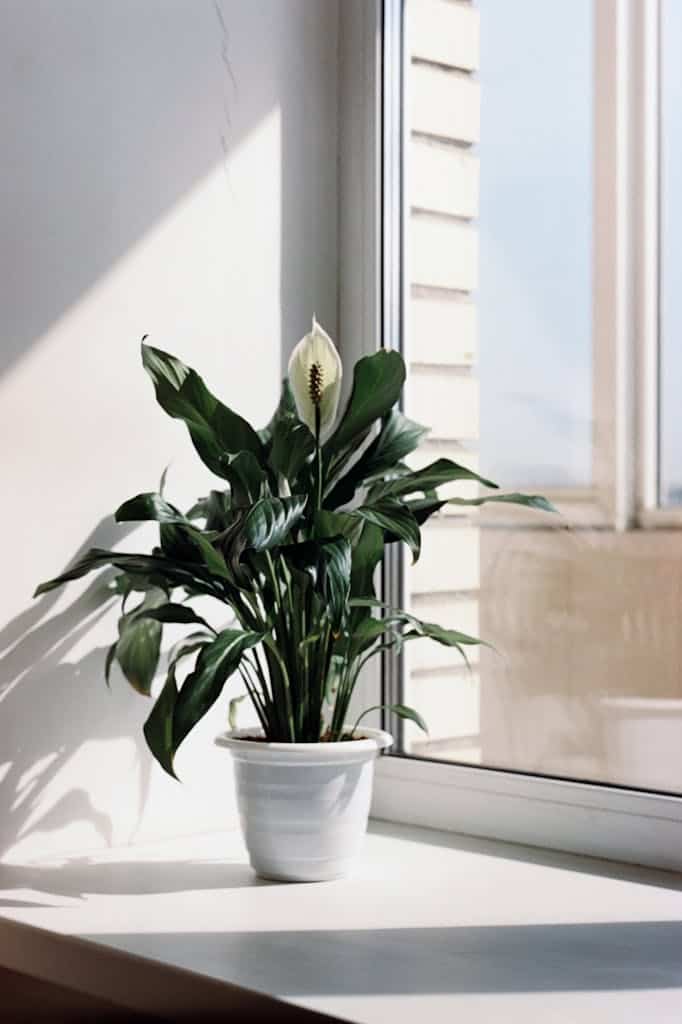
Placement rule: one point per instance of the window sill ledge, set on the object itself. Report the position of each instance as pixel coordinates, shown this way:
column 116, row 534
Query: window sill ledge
column 434, row 926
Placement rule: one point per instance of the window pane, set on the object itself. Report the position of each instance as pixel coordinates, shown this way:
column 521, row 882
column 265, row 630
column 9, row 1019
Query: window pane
column 585, row 681
column 671, row 252
column 535, row 236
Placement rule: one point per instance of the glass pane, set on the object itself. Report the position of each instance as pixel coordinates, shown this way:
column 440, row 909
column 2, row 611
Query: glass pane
column 585, row 680
column 535, row 236
column 671, row 252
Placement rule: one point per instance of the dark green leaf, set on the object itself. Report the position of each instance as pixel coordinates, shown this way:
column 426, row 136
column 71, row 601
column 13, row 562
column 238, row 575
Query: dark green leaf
column 214, row 428
column 158, row 729
column 111, row 654
column 150, row 506
column 447, row 637
column 246, row 476
column 146, row 568
column 267, row 524
column 341, row 524
column 529, row 500
column 327, row 561
column 202, row 687
column 397, row 438
column 366, row 554
column 93, row 559
column 335, row 568
column 366, row 633
column 423, row 508
column 377, row 383
column 292, row 447
column 215, row 508
column 442, row 471
column 286, row 409
column 139, row 644
column 401, row 710
column 190, row 645
column 154, row 507
column 404, row 711
column 180, row 613
column 396, row 520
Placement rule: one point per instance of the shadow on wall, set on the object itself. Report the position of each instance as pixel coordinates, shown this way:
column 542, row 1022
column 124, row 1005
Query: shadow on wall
column 114, row 112
column 57, row 705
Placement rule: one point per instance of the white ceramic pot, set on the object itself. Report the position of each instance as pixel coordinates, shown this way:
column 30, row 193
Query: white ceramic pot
column 303, row 806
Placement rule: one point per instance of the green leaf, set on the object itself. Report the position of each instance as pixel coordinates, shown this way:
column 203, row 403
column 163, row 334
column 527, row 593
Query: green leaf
column 377, row 382
column 214, row 428
column 405, row 711
column 446, row 637
column 366, row 633
column 179, row 613
column 233, row 709
column 286, row 409
column 401, row 710
column 149, row 506
column 422, row 508
column 292, row 447
column 396, row 520
column 246, row 476
column 202, row 687
column 215, row 508
column 190, row 645
column 397, row 438
column 367, row 552
column 268, row 523
column 93, row 559
column 111, row 654
column 150, row 571
column 337, row 524
column 139, row 644
column 529, row 500
column 154, row 507
column 430, row 630
column 327, row 561
column 158, row 729
column 442, row 471
column 335, row 569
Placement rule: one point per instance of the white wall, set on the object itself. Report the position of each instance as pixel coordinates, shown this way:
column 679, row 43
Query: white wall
column 162, row 173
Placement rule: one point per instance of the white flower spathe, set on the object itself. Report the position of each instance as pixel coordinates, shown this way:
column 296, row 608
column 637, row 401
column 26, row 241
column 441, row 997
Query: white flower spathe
column 315, row 373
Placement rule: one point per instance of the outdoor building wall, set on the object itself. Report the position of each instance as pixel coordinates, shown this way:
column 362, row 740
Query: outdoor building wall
column 441, row 268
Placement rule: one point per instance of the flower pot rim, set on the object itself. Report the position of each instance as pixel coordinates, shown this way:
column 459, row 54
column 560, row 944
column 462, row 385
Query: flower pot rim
column 368, row 740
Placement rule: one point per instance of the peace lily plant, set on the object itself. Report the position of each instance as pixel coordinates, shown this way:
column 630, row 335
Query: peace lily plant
column 289, row 542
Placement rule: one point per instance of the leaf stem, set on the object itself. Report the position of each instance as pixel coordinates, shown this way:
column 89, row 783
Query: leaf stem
column 318, row 460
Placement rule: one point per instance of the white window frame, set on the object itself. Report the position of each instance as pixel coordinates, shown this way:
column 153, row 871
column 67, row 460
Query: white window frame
column 598, row 820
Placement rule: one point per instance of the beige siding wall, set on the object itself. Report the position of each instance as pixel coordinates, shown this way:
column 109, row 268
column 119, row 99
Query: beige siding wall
column 441, row 269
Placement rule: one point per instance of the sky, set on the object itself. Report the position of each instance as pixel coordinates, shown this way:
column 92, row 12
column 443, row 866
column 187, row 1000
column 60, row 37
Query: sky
column 536, row 226
column 535, row 288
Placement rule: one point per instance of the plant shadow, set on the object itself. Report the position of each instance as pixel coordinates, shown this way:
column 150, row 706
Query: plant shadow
column 56, row 705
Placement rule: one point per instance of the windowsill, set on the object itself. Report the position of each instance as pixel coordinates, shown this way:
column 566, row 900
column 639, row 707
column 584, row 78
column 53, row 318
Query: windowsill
column 434, row 926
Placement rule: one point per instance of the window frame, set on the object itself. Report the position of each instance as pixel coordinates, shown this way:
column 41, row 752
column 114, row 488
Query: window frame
column 603, row 820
